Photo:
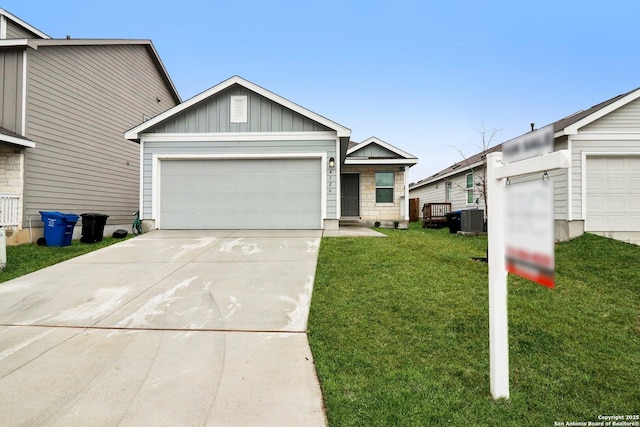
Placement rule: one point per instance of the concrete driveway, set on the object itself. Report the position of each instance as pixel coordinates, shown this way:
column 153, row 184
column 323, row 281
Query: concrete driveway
column 170, row 328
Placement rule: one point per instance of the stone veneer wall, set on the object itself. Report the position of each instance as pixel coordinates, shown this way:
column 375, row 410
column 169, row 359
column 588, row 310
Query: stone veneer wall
column 12, row 182
column 369, row 209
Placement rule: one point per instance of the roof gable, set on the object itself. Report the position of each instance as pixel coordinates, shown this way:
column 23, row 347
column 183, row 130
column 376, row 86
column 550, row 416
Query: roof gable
column 234, row 83
column 212, row 115
column 565, row 126
column 377, row 151
column 570, row 125
column 6, row 18
column 62, row 43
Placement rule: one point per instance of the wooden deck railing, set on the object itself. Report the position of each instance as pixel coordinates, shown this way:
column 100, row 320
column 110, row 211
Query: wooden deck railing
column 435, row 214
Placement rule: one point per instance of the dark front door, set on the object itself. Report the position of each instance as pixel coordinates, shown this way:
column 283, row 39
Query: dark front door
column 350, row 190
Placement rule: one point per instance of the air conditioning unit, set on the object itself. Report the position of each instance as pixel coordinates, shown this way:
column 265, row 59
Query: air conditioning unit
column 472, row 221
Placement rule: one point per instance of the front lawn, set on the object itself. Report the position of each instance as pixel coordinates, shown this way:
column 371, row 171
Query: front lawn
column 399, row 332
column 25, row 259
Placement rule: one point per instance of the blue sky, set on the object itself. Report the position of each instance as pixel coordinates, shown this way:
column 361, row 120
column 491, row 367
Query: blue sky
column 425, row 76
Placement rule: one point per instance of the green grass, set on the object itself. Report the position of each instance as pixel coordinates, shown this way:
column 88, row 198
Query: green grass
column 25, row 259
column 399, row 332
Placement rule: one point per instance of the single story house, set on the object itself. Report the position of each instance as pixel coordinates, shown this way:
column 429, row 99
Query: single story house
column 599, row 193
column 64, row 104
column 240, row 156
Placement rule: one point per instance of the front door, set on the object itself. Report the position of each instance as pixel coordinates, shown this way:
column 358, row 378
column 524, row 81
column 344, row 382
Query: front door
column 350, row 191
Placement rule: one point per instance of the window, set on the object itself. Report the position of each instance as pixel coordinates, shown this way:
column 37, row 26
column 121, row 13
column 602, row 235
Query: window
column 238, row 109
column 384, row 187
column 470, row 188
column 447, row 191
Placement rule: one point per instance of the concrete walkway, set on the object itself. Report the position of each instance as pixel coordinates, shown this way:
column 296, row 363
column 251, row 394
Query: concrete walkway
column 169, row 328
column 353, row 231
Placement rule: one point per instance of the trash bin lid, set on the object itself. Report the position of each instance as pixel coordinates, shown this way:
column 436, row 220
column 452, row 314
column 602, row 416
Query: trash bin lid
column 70, row 217
column 96, row 215
column 52, row 214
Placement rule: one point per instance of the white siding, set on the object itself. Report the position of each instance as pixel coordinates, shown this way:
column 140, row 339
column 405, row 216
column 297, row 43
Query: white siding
column 623, row 120
column 436, row 192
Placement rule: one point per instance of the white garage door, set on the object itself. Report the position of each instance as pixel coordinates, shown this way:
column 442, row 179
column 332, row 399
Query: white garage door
column 613, row 193
column 240, row 193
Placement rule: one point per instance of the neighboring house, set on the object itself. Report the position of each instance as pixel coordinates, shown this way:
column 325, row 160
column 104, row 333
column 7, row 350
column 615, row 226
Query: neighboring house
column 64, row 104
column 599, row 193
column 240, row 156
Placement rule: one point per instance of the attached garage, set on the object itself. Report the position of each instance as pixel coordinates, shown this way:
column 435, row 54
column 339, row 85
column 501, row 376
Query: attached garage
column 239, row 157
column 613, row 193
column 277, row 193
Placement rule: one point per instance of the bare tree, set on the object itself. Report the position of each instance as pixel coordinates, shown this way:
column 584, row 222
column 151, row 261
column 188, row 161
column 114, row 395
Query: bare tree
column 480, row 179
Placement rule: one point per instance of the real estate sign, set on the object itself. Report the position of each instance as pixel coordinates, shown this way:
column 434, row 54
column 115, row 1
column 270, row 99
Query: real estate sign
column 534, row 143
column 529, row 234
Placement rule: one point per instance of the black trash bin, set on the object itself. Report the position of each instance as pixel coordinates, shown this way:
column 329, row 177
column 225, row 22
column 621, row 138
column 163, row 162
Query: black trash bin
column 93, row 227
column 454, row 221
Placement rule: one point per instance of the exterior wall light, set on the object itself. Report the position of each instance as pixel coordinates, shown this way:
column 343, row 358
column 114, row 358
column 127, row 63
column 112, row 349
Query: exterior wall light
column 332, row 162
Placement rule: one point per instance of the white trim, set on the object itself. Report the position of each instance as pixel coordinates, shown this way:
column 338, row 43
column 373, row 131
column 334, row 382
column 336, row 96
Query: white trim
column 24, row 93
column 141, row 183
column 609, row 136
column 583, row 178
column 17, row 141
column 135, row 132
column 472, row 188
column 338, row 169
column 3, row 26
column 381, row 162
column 584, row 156
column 14, row 43
column 157, row 171
column 560, row 159
column 569, row 181
column 406, row 193
column 383, row 144
column 237, row 136
column 573, row 129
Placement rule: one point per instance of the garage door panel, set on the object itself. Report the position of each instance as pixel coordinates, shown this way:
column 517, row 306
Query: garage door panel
column 235, row 193
column 613, row 193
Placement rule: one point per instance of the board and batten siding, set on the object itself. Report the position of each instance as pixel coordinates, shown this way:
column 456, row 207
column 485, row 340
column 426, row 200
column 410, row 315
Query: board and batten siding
column 81, row 100
column 246, row 148
column 263, row 115
column 11, row 77
column 374, row 151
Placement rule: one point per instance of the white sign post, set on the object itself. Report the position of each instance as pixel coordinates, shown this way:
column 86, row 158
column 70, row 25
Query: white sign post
column 498, row 319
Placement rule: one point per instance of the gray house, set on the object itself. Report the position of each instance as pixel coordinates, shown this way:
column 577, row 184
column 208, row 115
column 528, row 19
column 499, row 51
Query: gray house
column 64, row 104
column 240, row 156
column 599, row 193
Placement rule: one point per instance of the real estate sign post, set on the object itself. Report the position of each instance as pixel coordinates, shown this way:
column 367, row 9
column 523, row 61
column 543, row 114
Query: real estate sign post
column 530, row 209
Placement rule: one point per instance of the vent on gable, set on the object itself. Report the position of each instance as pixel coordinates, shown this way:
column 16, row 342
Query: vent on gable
column 238, row 112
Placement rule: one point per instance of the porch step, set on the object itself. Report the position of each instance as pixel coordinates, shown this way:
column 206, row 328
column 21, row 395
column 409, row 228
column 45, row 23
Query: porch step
column 350, row 222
